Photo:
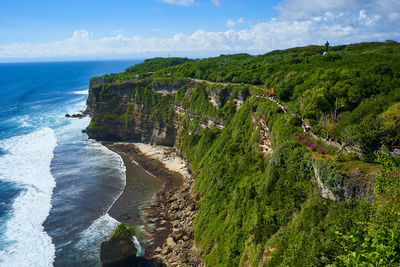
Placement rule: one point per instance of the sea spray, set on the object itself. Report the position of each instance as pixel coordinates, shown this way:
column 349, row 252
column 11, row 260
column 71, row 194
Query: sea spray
column 26, row 163
column 137, row 245
column 36, row 96
column 100, row 230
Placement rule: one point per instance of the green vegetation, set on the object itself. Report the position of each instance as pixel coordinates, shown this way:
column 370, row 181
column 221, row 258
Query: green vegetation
column 138, row 71
column 331, row 175
column 344, row 94
column 154, row 64
column 340, row 93
column 258, row 210
column 268, row 212
column 94, row 125
column 376, row 241
column 123, row 231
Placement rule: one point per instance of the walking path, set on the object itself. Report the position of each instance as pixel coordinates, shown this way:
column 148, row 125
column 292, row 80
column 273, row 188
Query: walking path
column 305, row 125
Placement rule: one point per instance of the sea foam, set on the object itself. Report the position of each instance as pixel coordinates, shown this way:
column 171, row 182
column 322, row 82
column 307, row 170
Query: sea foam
column 81, row 92
column 26, row 162
column 99, row 231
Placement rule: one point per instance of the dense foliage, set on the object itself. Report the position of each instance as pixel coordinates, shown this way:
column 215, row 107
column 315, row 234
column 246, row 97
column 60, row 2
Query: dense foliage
column 258, row 210
column 342, row 93
column 123, row 231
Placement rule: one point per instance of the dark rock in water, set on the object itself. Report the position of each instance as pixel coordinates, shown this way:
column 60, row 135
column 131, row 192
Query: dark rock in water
column 127, row 217
column 78, row 115
column 84, row 112
column 84, row 131
column 118, row 252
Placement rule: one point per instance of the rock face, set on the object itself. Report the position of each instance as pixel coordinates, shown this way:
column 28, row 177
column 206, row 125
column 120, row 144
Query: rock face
column 356, row 184
column 119, row 117
column 129, row 111
column 118, row 252
column 324, row 190
column 143, row 129
column 156, row 111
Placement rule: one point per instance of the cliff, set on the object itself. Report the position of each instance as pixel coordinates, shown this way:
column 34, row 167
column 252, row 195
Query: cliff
column 154, row 110
column 269, row 192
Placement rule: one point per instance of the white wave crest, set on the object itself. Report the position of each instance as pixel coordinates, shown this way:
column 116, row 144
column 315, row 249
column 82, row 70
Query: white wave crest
column 27, row 164
column 91, row 238
column 137, row 245
column 24, row 121
column 82, row 92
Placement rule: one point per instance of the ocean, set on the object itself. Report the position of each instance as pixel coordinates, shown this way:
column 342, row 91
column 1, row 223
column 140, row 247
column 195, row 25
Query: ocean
column 55, row 185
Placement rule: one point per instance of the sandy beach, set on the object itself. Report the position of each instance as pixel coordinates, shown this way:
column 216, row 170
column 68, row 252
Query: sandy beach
column 160, row 163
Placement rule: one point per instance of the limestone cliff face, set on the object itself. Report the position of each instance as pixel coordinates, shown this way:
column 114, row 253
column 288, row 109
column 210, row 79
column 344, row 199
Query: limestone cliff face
column 116, row 116
column 147, row 110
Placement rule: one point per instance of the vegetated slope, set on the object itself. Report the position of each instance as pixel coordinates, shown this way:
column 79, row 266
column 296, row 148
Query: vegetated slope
column 343, row 94
column 364, row 78
column 258, row 209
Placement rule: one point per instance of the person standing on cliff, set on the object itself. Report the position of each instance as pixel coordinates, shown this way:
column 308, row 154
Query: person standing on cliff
column 326, row 47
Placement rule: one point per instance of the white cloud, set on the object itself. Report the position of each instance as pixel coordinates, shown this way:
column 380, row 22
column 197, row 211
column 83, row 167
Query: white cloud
column 216, row 2
column 180, row 2
column 303, row 9
column 156, row 31
column 338, row 25
column 230, row 23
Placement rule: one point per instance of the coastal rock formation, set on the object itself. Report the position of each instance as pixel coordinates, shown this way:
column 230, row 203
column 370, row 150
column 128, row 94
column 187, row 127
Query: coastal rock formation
column 180, row 248
column 173, row 209
column 263, row 196
column 117, row 252
column 116, row 116
column 147, row 110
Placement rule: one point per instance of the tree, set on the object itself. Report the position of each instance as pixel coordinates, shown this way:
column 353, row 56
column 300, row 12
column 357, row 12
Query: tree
column 313, row 103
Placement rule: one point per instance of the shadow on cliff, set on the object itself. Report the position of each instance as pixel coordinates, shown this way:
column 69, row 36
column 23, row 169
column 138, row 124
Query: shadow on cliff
column 137, row 262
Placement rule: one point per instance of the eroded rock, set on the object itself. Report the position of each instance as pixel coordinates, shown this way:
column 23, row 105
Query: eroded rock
column 117, row 252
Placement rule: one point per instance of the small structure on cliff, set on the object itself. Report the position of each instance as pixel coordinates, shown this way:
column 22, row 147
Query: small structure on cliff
column 326, row 48
column 270, row 91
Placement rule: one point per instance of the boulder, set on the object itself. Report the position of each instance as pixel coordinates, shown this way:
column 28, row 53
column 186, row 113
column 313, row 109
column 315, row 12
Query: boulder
column 117, row 252
column 178, row 234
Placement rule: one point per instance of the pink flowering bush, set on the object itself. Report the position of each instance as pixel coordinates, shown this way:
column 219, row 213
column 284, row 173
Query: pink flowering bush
column 304, row 140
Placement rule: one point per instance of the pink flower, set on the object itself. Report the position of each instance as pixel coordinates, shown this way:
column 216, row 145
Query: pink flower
column 312, row 146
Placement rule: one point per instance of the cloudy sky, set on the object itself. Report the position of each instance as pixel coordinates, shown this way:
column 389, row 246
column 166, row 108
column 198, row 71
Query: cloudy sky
column 121, row 29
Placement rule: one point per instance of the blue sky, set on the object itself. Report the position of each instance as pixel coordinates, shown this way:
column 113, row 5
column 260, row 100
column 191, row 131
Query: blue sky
column 105, row 29
column 50, row 20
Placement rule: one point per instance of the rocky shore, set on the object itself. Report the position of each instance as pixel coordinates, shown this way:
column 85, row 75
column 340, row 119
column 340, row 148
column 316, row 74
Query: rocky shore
column 180, row 248
column 173, row 208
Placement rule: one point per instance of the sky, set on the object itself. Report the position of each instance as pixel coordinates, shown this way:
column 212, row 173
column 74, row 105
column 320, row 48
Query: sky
column 54, row 30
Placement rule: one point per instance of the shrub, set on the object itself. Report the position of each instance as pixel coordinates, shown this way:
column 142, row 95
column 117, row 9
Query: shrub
column 123, row 231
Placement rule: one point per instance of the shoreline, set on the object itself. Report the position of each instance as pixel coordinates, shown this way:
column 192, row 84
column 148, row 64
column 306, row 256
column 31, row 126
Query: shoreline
column 163, row 164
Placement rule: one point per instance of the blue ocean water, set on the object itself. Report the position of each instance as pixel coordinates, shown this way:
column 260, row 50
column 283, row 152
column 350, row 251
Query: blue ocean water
column 55, row 185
